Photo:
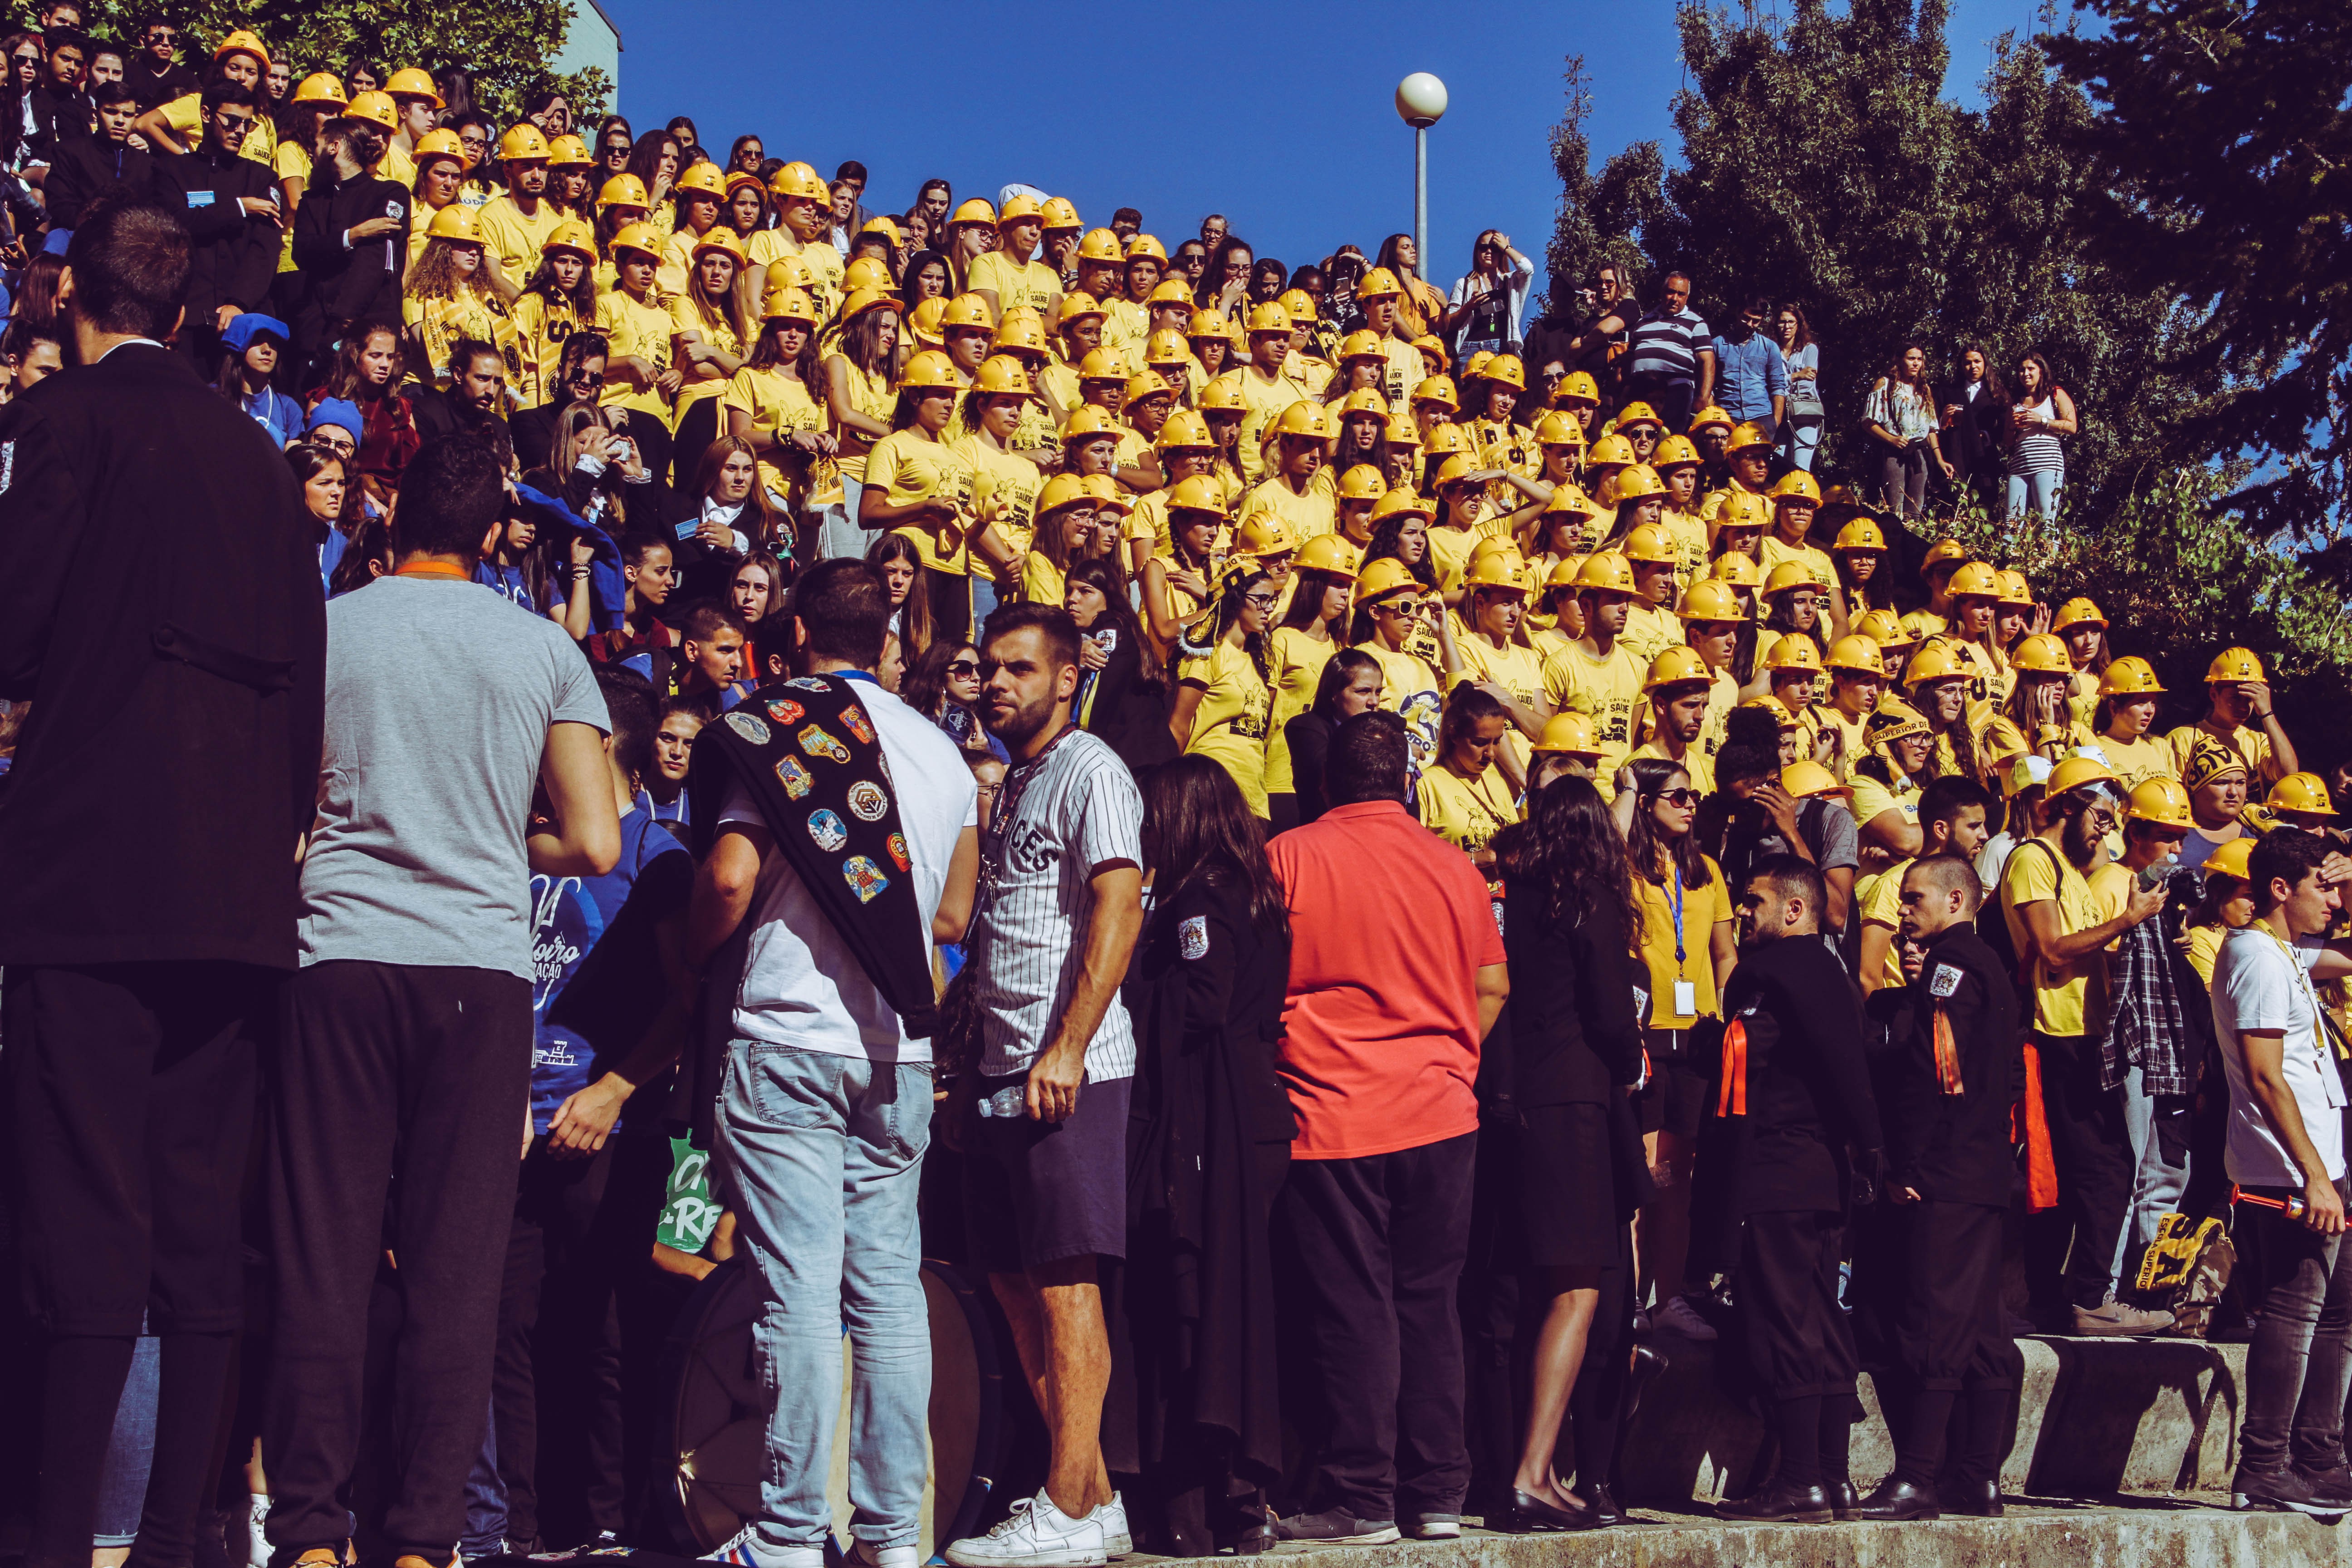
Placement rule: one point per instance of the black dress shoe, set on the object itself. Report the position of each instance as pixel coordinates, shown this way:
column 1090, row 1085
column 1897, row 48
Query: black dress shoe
column 1897, row 1498
column 1980, row 1500
column 1598, row 1502
column 1780, row 1503
column 1531, row 1515
column 1841, row 1497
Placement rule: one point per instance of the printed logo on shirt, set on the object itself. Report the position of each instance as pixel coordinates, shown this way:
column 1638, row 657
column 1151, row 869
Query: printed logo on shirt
column 1192, row 938
column 1946, row 982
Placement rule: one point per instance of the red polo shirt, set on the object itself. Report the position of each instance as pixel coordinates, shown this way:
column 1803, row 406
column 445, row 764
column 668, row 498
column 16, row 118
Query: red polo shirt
column 1390, row 925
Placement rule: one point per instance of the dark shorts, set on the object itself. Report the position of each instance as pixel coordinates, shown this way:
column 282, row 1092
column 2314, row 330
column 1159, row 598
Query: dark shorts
column 1675, row 1099
column 1036, row 1192
column 1568, row 1201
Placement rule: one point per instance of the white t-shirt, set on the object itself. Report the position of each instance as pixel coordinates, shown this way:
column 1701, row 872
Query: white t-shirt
column 803, row 985
column 2257, row 985
column 1060, row 817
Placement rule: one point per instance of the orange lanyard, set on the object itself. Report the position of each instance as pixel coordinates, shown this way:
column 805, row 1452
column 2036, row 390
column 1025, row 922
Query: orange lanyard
column 432, row 569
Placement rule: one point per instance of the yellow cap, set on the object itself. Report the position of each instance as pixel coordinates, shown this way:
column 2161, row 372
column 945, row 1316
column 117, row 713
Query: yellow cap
column 1381, row 578
column 1108, row 495
column 525, row 142
column 2162, row 800
column 1404, row 436
column 1500, row 568
column 1943, row 550
column 2234, row 664
column 1677, row 665
column 1145, row 383
column 1296, row 302
column 1443, row 439
column 796, row 182
column 1936, row 660
column 1737, row 568
column 1568, row 733
column 923, row 320
column 1710, row 599
column 1185, row 428
column 1563, row 572
column 1076, row 306
column 1894, row 719
column 2301, row 792
column 2130, row 676
column 1269, row 317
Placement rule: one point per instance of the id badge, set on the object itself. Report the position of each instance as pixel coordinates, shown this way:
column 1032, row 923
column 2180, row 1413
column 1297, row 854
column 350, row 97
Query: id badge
column 1685, row 998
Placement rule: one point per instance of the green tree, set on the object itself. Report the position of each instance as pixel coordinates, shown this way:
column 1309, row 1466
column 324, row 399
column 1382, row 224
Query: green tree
column 2226, row 137
column 1599, row 217
column 504, row 44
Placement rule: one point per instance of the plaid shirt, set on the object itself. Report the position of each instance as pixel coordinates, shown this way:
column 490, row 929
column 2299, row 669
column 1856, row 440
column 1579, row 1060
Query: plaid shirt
column 2146, row 1027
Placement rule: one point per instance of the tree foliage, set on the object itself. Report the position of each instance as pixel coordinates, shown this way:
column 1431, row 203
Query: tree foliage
column 1599, row 216
column 504, row 44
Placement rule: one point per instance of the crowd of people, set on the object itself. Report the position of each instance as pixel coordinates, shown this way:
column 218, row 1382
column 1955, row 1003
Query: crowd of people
column 1415, row 858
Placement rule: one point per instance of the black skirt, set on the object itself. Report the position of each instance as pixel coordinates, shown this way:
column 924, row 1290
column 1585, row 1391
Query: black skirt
column 1567, row 1188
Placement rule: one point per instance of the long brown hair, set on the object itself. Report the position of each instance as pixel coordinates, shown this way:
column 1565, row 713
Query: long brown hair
column 705, row 478
column 1199, row 830
column 1568, row 847
column 1649, row 853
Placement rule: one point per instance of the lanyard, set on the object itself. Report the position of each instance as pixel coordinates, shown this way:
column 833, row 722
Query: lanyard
column 1679, row 917
column 433, row 569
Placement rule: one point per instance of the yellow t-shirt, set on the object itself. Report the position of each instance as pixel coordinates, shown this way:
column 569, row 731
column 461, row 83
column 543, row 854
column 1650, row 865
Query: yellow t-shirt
column 779, row 405
column 2204, row 947
column 396, row 164
column 1695, row 762
column 1703, row 908
column 1306, row 516
column 634, row 330
column 1925, row 623
column 2069, row 999
column 511, row 237
column 871, row 395
column 1042, row 582
column 1127, row 327
column 771, row 245
column 1015, row 283
column 2137, row 762
column 1772, row 552
column 1230, row 726
column 1465, row 813
column 908, row 466
column 1449, row 552
column 1406, row 370
column 1851, row 748
column 2251, row 744
column 705, row 382
column 1649, row 631
column 677, row 260
column 1262, row 404
column 1009, row 484
column 1873, row 800
column 540, row 327
column 1689, row 536
column 1517, row 670
column 288, row 161
column 2002, row 742
column 1499, row 444
column 1608, row 688
column 184, row 115
column 1296, row 659
column 441, row 322
column 1882, row 905
column 1410, row 688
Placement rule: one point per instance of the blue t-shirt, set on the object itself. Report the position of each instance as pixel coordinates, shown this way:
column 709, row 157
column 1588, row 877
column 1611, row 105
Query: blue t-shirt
column 507, row 582
column 596, row 978
column 672, row 816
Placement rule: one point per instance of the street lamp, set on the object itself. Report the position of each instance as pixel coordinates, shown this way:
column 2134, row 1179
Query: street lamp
column 1421, row 103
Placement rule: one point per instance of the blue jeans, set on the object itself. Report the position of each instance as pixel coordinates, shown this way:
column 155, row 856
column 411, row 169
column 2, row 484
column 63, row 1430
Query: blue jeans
column 486, row 1496
column 129, row 1452
column 2036, row 492
column 1800, row 438
column 838, row 531
column 2299, row 1366
column 824, row 1156
column 985, row 599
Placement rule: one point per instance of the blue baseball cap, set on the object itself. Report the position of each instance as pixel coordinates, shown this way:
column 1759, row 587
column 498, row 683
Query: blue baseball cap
column 243, row 329
column 337, row 411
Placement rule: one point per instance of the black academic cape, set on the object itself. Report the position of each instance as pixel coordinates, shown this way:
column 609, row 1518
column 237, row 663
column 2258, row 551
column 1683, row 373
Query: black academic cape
column 234, row 260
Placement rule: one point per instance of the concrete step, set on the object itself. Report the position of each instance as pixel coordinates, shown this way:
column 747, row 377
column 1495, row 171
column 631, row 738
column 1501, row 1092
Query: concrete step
column 2097, row 1417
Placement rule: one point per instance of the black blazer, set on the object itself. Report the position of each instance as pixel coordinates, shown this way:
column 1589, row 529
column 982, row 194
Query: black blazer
column 360, row 281
column 236, row 256
column 161, row 609
column 87, row 169
column 58, row 118
column 1309, row 738
column 1574, row 1035
column 1952, row 1148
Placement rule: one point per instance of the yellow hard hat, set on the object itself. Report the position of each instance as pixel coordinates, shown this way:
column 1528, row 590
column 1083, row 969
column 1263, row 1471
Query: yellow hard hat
column 1222, row 395
column 1307, row 420
column 864, row 299
column 866, row 272
column 1108, row 495
column 1797, row 485
column 2234, row 664
column 1060, row 211
column 1379, row 283
column 1977, row 580
column 930, row 371
column 1894, row 719
column 970, row 310
column 1437, row 389
column 1936, row 660
column 923, row 320
column 377, row 109
column 2301, row 792
column 2130, row 676
column 1298, row 303
column 1103, row 364
column 569, row 235
column 1775, row 706
column 436, row 142
column 1737, row 568
column 407, row 82
column 1576, row 387
column 2014, row 591
column 1142, row 245
column 1403, row 434
column 1793, row 574
column 1568, row 733
column 1019, row 209
column 1710, row 599
column 1365, row 400
column 2077, row 613
column 1088, row 421
column 795, row 271
column 1022, row 329
column 1606, row 571
column 1638, row 481
column 1672, row 452
column 2077, row 772
column 320, row 86
column 1147, row 382
column 1062, row 491
column 620, row 191
column 1199, row 493
column 456, row 221
column 1443, row 439
column 1362, row 482
column 721, row 239
column 972, row 209
column 1268, row 318
column 2041, row 654
column 243, row 42
column 1563, row 572
column 1002, row 375
column 1638, row 414
column 796, row 182
column 1742, row 509
column 1557, row 429
column 1506, row 370
column 1496, row 569
column 788, row 304
column 1748, row 434
column 2232, row 859
column 1795, row 651
column 1381, row 578
column 1805, row 777
column 1477, row 367
column 1076, row 306
column 1648, row 543
column 1710, row 417
column 1167, row 347
column 1461, row 468
column 525, row 142
column 1100, row 245
column 1568, row 498
column 1184, row 428
column 571, row 153
column 1862, row 533
column 1327, row 552
column 1884, row 627
column 1360, row 345
column 1857, row 653
column 1612, row 449
column 1403, row 501
column 2162, row 800
column 1677, row 665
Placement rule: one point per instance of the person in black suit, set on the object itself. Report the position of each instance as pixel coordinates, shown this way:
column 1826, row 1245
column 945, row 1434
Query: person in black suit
column 1788, row 1095
column 351, row 244
column 153, row 74
column 162, row 612
column 1950, row 1068
column 62, row 110
column 472, row 405
column 103, row 165
column 230, row 208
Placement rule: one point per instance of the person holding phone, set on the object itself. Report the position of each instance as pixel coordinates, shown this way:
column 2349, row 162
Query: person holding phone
column 1483, row 312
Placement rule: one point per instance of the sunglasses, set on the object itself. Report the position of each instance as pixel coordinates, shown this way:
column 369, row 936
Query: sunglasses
column 233, row 122
column 1684, row 796
column 964, row 667
column 163, row 35
column 1260, row 601
column 585, row 378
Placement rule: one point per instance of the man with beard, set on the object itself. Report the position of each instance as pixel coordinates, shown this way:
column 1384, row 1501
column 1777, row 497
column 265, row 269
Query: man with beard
column 351, row 237
column 469, row 405
column 1045, row 1191
column 2055, row 929
column 515, row 225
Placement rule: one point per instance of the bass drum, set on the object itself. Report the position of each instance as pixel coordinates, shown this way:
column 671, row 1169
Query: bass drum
column 719, row 1417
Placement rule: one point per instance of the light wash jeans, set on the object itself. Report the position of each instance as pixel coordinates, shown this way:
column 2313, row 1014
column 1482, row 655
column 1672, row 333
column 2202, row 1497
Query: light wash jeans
column 824, row 1155
column 2036, row 492
column 2156, row 1187
column 1800, row 438
column 838, row 531
column 985, row 599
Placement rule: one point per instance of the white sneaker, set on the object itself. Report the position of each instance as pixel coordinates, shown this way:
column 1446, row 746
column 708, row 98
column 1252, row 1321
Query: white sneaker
column 1036, row 1535
column 1112, row 1517
column 866, row 1555
column 745, row 1550
column 1679, row 1317
column 257, row 1538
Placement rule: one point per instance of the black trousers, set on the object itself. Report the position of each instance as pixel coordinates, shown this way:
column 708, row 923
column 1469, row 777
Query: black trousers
column 2091, row 1147
column 581, row 1318
column 696, row 431
column 129, row 1099
column 1378, row 1245
column 1798, row 1344
column 402, row 1085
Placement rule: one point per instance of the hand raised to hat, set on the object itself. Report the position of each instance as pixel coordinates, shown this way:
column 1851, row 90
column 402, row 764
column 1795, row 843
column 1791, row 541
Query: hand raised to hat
column 2257, row 700
column 2038, row 621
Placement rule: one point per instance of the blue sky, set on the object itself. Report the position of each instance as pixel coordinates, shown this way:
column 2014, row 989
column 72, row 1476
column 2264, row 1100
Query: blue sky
column 1281, row 118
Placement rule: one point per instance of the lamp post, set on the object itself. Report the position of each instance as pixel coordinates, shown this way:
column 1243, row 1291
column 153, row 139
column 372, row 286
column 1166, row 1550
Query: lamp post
column 1421, row 103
